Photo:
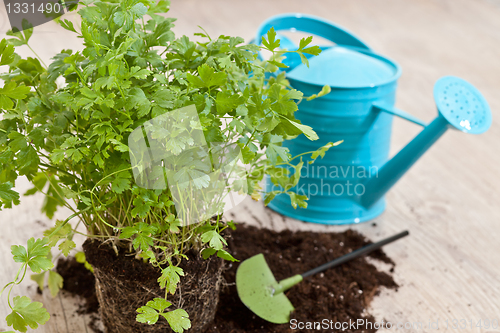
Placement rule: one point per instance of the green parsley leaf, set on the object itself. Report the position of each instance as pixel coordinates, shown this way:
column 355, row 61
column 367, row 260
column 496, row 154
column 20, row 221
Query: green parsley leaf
column 147, row 315
column 270, row 196
column 120, row 184
column 7, row 195
column 322, row 150
column 227, row 101
column 275, row 150
column 26, row 313
column 39, row 279
column 66, row 246
column 12, row 91
column 225, row 255
column 35, row 256
column 138, row 10
column 55, row 282
column 7, row 55
column 142, row 232
column 139, row 101
column 159, row 304
column 271, row 43
column 170, row 277
column 297, row 200
column 214, row 239
column 324, row 91
column 307, row 130
column 207, row 77
column 178, row 320
column 142, row 241
column 208, row 252
column 63, row 232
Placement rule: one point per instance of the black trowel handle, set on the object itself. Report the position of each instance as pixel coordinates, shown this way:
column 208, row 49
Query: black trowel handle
column 358, row 253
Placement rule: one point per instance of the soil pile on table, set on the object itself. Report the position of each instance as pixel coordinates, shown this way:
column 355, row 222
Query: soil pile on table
column 78, row 280
column 337, row 295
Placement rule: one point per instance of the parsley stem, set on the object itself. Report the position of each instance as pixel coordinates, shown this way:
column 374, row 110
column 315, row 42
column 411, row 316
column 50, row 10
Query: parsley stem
column 162, row 240
column 306, row 153
column 65, row 172
column 89, row 236
column 253, row 132
column 8, row 284
column 61, row 195
column 56, row 230
column 36, row 55
column 8, row 297
column 99, row 215
column 25, row 267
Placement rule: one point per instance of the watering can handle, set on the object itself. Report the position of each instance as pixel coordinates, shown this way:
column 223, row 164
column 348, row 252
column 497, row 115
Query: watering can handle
column 397, row 112
column 312, row 25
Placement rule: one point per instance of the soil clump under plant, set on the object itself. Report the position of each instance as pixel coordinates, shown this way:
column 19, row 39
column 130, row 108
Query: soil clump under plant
column 124, row 283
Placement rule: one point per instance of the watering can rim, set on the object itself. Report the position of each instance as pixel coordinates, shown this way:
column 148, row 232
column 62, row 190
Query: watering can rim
column 387, row 60
column 327, row 23
column 340, row 36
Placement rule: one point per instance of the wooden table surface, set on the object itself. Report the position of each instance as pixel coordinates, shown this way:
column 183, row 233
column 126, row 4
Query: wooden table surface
column 449, row 268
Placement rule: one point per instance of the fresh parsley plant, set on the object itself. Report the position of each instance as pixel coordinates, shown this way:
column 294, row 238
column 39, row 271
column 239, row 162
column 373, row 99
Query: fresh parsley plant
column 65, row 128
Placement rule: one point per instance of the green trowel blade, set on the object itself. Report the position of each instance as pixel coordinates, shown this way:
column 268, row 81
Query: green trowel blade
column 257, row 287
column 261, row 293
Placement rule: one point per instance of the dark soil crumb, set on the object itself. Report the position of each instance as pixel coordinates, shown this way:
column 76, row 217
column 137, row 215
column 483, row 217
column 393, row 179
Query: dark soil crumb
column 339, row 294
column 95, row 319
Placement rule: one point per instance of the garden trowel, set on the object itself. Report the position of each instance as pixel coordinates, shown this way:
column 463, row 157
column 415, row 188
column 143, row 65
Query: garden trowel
column 260, row 292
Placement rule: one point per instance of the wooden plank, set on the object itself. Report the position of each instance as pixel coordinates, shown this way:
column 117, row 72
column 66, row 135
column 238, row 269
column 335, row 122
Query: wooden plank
column 449, row 267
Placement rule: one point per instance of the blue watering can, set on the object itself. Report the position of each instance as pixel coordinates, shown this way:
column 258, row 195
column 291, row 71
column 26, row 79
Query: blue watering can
column 348, row 185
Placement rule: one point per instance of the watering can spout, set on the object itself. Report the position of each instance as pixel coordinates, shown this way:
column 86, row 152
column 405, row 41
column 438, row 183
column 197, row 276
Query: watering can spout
column 460, row 106
column 377, row 186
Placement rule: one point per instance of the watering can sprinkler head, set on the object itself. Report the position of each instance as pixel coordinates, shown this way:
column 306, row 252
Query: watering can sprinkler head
column 460, row 105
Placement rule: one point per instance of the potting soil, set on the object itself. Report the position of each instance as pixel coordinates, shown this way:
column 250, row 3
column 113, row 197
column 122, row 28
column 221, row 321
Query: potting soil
column 123, row 284
column 337, row 295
